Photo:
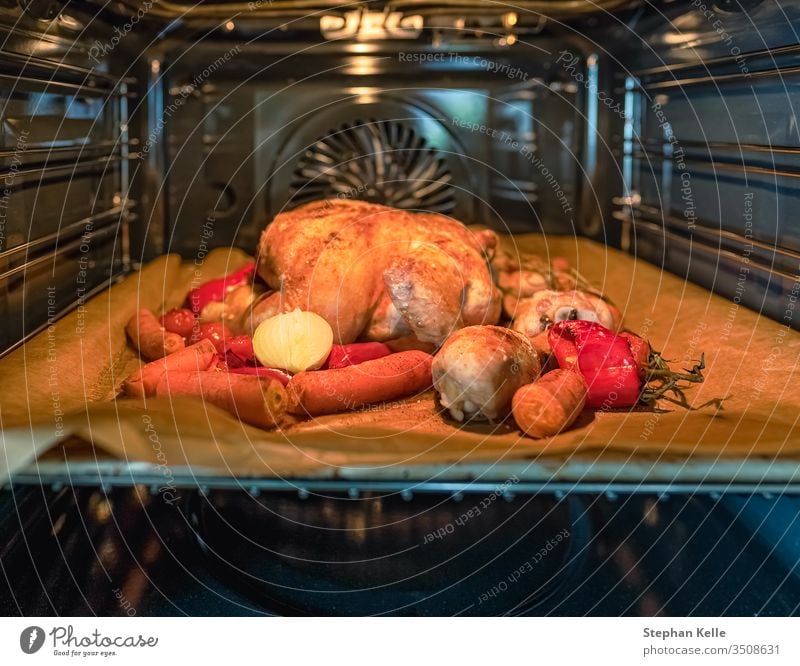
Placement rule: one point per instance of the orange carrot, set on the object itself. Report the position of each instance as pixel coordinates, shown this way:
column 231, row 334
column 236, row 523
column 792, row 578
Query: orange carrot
column 261, row 403
column 199, row 356
column 550, row 404
column 395, row 376
column 150, row 338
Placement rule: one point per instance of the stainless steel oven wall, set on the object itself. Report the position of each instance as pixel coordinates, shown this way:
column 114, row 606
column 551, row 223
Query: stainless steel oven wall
column 487, row 133
column 712, row 150
column 64, row 209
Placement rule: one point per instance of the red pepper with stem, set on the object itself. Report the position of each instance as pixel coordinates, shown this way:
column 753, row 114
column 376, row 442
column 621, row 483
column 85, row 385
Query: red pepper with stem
column 618, row 368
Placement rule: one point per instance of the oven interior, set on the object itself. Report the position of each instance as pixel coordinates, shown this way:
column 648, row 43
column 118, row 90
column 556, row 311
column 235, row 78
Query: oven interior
column 667, row 131
column 664, row 129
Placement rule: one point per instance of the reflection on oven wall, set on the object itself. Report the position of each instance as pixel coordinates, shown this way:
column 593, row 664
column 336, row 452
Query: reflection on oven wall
column 236, row 152
column 65, row 208
column 714, row 178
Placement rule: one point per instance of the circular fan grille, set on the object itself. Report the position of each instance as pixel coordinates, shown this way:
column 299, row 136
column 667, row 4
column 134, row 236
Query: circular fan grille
column 379, row 161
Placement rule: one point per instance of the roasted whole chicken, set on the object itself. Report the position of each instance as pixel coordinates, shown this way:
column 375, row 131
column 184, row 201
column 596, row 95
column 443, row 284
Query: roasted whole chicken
column 377, row 273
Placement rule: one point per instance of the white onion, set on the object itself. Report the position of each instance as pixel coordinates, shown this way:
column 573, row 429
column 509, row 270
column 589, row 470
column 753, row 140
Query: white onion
column 294, row 341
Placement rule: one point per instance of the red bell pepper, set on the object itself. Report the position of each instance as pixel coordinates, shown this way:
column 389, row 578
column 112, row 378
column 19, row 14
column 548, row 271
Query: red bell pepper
column 343, row 355
column 617, row 367
column 216, row 290
column 264, row 373
column 602, row 357
column 242, row 347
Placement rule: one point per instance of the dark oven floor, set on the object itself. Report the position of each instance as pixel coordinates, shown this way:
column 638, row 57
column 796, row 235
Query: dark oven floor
column 84, row 551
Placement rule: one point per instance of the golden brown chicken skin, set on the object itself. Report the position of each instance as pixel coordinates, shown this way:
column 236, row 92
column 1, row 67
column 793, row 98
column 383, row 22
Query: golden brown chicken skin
column 533, row 315
column 378, row 273
column 479, row 368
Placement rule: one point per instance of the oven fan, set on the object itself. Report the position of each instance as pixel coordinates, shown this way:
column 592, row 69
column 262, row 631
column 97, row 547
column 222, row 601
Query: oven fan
column 383, row 162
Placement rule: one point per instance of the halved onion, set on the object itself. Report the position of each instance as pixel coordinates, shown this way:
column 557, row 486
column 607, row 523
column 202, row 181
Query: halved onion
column 294, row 341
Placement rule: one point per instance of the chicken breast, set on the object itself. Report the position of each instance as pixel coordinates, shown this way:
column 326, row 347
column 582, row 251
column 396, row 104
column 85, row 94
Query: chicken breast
column 479, row 368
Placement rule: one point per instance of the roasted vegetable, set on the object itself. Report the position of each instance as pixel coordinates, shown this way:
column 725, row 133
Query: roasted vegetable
column 550, row 404
column 343, row 355
column 217, row 333
column 388, row 378
column 216, row 290
column 294, row 341
column 619, row 370
column 242, row 347
column 200, row 356
column 150, row 338
column 259, row 402
column 479, row 368
column 179, row 320
column 264, row 373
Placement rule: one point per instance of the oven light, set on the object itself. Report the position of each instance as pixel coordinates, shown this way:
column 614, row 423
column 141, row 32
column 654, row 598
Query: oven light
column 362, row 91
column 365, row 25
column 361, row 48
column 362, row 66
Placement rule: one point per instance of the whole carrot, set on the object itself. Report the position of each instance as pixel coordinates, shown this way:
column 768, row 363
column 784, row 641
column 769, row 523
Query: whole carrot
column 150, row 338
column 199, row 356
column 258, row 402
column 550, row 404
column 318, row 392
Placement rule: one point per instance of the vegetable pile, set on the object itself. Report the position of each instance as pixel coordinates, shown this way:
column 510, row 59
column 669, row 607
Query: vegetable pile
column 290, row 367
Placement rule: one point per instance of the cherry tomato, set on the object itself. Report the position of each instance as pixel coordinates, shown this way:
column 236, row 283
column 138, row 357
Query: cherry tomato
column 180, row 321
column 216, row 332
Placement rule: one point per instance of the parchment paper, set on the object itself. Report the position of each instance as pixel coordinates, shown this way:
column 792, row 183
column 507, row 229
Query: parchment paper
column 62, row 386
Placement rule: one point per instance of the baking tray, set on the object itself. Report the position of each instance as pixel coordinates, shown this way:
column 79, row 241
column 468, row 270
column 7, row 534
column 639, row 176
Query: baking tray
column 78, row 363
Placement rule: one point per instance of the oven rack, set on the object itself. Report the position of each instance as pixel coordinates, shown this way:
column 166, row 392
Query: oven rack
column 707, row 477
